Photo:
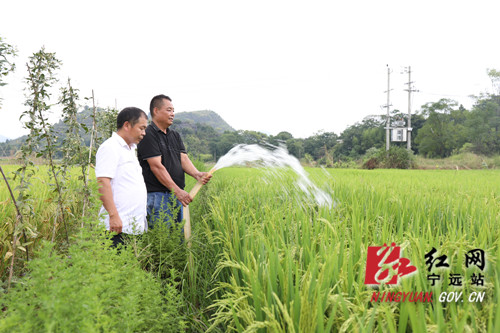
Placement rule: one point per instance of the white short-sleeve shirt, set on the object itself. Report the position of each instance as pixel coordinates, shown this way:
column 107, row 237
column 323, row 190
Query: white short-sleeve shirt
column 117, row 160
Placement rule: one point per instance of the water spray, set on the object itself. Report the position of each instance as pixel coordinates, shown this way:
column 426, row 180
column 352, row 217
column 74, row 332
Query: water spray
column 259, row 156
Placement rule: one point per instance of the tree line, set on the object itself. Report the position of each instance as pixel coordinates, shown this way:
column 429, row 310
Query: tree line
column 440, row 129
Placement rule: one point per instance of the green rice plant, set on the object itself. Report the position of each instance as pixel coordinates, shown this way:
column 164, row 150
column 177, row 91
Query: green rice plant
column 18, row 221
column 286, row 266
column 39, row 223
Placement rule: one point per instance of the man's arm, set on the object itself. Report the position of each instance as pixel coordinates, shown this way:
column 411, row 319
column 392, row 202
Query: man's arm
column 115, row 222
column 191, row 170
column 164, row 177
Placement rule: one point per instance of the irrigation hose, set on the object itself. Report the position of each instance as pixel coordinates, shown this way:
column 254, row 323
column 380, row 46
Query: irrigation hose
column 194, row 191
column 187, row 225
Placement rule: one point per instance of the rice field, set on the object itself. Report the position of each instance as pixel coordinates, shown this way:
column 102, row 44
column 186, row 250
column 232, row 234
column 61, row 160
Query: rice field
column 291, row 266
column 267, row 259
column 39, row 212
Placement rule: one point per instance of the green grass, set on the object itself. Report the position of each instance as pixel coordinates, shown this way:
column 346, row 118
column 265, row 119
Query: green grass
column 462, row 161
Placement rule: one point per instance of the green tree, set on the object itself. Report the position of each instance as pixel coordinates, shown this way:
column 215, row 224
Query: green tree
column 417, row 122
column 106, row 124
column 494, row 76
column 198, row 138
column 253, row 137
column 443, row 130
column 360, row 137
column 280, row 138
column 226, row 141
column 41, row 67
column 295, row 147
column 319, row 144
column 284, row 136
column 7, row 52
column 483, row 126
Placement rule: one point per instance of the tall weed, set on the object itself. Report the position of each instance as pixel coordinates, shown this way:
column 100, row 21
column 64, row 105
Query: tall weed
column 91, row 288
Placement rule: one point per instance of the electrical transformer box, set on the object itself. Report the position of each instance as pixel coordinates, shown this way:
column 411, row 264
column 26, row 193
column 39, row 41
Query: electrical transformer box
column 398, row 134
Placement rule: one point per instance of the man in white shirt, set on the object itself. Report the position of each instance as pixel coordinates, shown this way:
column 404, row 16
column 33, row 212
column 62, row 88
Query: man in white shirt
column 122, row 188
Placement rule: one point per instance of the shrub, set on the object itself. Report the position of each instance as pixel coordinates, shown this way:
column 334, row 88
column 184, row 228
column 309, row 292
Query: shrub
column 467, row 148
column 397, row 158
column 371, row 164
column 394, row 158
column 163, row 248
column 92, row 288
column 308, row 159
column 206, row 158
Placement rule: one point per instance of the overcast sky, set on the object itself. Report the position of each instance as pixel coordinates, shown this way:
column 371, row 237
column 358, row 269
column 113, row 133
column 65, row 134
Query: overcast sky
column 270, row 66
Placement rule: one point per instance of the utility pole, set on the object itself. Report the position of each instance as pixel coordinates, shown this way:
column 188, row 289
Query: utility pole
column 409, row 90
column 388, row 105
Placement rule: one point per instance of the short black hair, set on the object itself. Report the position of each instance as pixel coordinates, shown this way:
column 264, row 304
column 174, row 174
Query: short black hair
column 130, row 114
column 157, row 102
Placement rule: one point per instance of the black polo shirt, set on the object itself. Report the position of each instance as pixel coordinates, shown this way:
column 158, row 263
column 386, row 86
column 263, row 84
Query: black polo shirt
column 169, row 146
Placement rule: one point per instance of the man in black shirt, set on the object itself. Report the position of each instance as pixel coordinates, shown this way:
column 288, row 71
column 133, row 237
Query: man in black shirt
column 164, row 161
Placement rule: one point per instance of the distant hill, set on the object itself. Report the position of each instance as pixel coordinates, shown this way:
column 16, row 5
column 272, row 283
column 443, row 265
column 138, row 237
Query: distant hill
column 205, row 117
column 3, row 138
column 203, row 124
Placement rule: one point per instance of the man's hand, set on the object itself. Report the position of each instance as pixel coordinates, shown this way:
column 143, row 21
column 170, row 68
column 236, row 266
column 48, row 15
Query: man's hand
column 203, row 177
column 191, row 170
column 183, row 197
column 115, row 223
